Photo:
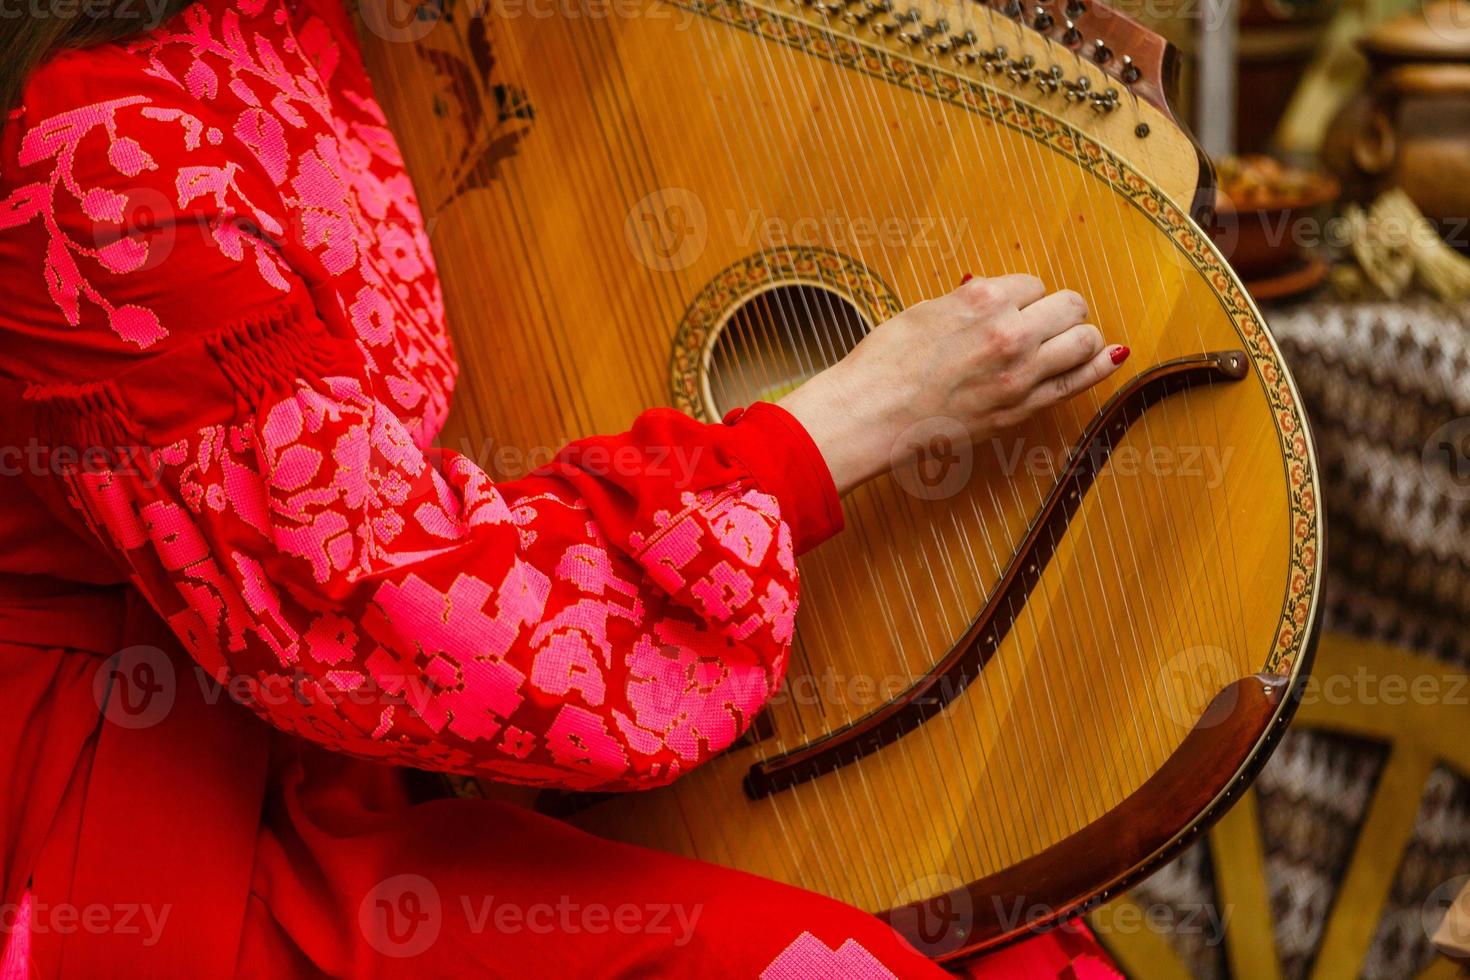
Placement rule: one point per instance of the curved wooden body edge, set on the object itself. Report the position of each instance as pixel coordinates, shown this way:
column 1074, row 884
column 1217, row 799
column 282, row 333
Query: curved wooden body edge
column 1202, row 209
column 1189, row 778
column 1211, row 766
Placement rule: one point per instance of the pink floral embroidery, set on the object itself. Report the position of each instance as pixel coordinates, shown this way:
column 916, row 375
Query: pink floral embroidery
column 362, row 588
column 57, row 140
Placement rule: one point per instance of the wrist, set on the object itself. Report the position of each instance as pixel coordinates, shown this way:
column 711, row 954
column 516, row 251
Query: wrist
column 854, row 437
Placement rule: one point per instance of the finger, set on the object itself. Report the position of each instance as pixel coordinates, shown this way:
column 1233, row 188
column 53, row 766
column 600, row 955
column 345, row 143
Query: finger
column 1053, row 315
column 1018, row 290
column 1069, row 349
column 1069, row 384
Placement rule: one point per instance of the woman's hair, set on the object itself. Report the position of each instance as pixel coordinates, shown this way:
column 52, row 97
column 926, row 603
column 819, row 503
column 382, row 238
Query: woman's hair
column 37, row 29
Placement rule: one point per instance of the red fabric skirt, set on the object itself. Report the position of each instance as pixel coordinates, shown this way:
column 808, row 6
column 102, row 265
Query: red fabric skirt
column 182, row 837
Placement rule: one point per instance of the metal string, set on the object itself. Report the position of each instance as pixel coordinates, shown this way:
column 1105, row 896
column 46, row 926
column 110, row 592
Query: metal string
column 625, row 150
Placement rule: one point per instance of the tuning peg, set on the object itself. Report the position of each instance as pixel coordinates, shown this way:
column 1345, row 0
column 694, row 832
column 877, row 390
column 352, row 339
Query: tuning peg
column 1042, row 21
column 1104, row 102
column 923, row 32
column 1076, row 8
column 886, row 27
column 1071, row 37
column 1130, row 72
column 995, row 59
column 951, row 43
column 1020, row 71
column 1101, row 53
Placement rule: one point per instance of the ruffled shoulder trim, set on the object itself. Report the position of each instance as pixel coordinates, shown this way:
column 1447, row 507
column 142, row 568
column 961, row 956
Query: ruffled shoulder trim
column 221, row 378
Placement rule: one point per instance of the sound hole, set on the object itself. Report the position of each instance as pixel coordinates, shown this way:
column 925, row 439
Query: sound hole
column 775, row 340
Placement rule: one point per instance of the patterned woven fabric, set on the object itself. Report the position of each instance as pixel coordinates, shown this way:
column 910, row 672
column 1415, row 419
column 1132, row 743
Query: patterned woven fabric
column 1313, row 798
column 1387, row 388
column 1438, row 853
column 1180, row 889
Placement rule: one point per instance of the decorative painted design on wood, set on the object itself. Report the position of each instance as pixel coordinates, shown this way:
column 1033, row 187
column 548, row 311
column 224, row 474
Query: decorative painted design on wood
column 492, row 115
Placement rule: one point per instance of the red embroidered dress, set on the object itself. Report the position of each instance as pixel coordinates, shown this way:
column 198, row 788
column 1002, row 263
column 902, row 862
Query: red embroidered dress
column 225, row 363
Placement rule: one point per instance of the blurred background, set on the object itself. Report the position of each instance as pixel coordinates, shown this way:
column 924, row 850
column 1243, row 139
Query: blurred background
column 1341, row 131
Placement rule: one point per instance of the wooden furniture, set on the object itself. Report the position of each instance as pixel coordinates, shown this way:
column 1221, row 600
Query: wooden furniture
column 1420, row 732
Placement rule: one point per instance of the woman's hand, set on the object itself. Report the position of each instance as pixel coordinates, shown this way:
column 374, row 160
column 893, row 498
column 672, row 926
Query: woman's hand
column 988, row 355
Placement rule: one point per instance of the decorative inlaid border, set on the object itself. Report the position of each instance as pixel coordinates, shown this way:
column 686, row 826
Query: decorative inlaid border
column 893, row 67
column 750, row 276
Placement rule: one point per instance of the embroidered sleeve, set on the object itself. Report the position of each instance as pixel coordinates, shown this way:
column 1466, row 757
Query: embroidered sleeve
column 257, row 460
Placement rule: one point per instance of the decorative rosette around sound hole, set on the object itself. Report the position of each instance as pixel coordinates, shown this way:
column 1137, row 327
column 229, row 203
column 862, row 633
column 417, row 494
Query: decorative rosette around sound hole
column 765, row 324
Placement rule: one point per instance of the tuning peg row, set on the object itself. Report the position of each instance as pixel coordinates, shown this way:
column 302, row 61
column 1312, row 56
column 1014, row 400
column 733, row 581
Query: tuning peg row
column 908, row 28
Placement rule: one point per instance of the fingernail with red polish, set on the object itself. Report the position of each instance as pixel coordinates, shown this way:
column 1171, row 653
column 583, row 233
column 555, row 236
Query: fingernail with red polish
column 1119, row 354
column 967, row 278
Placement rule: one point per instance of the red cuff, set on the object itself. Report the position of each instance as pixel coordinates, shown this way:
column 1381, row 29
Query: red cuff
column 785, row 462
